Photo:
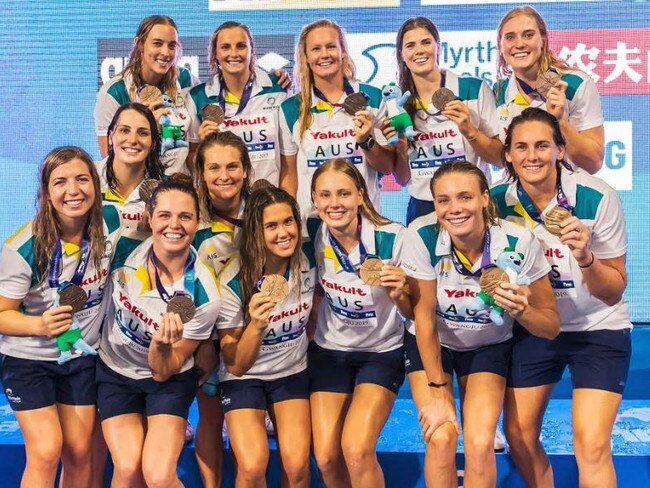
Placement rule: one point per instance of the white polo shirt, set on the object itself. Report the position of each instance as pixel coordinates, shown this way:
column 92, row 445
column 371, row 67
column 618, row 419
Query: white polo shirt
column 136, row 309
column 257, row 124
column 597, row 206
column 438, row 139
column 355, row 316
column 18, row 281
column 283, row 351
column 330, row 135
column 428, row 257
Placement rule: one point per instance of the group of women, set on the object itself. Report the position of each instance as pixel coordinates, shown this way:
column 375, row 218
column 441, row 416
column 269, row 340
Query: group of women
column 272, row 264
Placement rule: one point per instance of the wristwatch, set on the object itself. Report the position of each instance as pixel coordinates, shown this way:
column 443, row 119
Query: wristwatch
column 368, row 144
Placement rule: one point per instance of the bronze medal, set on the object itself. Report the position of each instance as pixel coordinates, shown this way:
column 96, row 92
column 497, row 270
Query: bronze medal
column 546, row 81
column 441, row 97
column 355, row 102
column 213, row 113
column 149, row 94
column 491, row 278
column 146, row 190
column 276, row 286
column 369, row 271
column 183, row 305
column 74, row 296
column 553, row 219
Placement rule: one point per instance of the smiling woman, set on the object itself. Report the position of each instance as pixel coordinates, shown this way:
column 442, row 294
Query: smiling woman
column 61, row 249
column 266, row 302
column 156, row 50
column 164, row 303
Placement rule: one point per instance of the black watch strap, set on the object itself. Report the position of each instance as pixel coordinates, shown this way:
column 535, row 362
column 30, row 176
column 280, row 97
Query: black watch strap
column 367, row 144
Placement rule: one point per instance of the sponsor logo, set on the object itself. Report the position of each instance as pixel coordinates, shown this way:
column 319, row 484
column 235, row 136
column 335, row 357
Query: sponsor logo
column 451, row 293
column 244, row 122
column 136, row 312
column 351, row 290
column 11, row 397
column 333, row 134
column 288, row 313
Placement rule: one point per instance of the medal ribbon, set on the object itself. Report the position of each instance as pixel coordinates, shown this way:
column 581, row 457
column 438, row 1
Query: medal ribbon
column 529, row 90
column 531, row 209
column 56, row 263
column 486, row 261
column 323, row 104
column 188, row 278
column 234, row 221
column 246, row 95
column 342, row 256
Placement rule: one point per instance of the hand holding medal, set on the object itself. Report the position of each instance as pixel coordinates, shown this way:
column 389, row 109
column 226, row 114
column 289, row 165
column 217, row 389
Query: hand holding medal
column 170, row 330
column 269, row 291
column 575, row 235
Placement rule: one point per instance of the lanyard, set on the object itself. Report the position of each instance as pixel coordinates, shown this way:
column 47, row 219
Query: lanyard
column 342, row 256
column 346, row 86
column 529, row 206
column 486, row 261
column 529, row 90
column 57, row 257
column 234, row 221
column 421, row 105
column 188, row 278
column 246, row 95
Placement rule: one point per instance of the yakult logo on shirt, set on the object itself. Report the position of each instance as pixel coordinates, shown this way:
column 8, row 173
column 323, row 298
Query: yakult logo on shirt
column 434, row 135
column 554, row 253
column 285, row 314
column 136, row 312
column 136, row 217
column 333, row 134
column 451, row 293
column 243, row 121
column 352, row 290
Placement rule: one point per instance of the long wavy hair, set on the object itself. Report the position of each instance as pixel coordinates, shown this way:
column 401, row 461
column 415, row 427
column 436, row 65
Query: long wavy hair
column 547, row 60
column 214, row 40
column 46, row 226
column 341, row 165
column 534, row 114
column 253, row 249
column 490, row 213
column 404, row 76
column 134, row 66
column 153, row 168
column 303, row 76
column 222, row 139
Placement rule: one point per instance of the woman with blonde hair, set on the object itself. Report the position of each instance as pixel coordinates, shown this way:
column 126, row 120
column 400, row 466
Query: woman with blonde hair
column 315, row 126
column 155, row 52
column 60, row 251
column 531, row 75
column 356, row 360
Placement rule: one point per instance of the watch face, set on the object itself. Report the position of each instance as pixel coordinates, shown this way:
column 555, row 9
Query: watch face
column 368, row 143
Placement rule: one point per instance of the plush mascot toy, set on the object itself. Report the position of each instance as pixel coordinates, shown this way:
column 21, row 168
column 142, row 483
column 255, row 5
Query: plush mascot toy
column 172, row 135
column 509, row 264
column 399, row 118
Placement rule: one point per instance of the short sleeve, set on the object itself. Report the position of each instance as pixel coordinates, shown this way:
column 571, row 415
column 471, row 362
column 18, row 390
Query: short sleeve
column 416, row 257
column 608, row 238
column 105, row 109
column 15, row 274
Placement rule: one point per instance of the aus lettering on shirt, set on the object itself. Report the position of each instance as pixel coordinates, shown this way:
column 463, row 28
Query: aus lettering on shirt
column 136, row 313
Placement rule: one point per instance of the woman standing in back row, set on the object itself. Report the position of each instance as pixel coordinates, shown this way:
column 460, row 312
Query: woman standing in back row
column 314, row 124
column 531, row 75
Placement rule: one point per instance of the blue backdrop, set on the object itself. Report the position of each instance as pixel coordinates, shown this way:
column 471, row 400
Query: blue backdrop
column 55, row 54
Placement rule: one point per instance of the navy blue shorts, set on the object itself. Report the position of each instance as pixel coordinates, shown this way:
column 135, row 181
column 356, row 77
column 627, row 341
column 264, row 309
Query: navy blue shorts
column 417, row 208
column 341, row 371
column 597, row 359
column 258, row 394
column 31, row 383
column 120, row 395
column 494, row 358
